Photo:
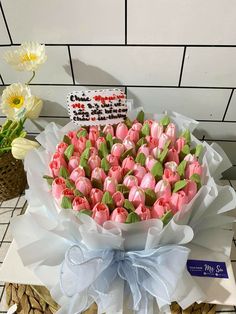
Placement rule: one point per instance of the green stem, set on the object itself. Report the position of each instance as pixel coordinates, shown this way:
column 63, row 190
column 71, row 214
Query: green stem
column 4, row 149
column 30, row 79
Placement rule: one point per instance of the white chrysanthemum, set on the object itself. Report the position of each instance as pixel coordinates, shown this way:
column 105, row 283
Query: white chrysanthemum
column 28, row 57
column 15, row 99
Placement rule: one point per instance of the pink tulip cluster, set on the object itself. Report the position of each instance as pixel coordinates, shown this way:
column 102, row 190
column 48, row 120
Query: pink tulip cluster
column 112, row 172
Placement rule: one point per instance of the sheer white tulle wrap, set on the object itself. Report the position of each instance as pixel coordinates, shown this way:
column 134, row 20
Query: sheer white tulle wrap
column 135, row 268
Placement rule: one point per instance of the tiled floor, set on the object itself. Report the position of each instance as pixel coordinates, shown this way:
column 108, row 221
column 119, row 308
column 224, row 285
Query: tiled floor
column 17, row 206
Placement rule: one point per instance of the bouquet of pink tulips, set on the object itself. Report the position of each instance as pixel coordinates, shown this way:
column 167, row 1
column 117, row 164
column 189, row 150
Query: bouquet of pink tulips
column 136, row 170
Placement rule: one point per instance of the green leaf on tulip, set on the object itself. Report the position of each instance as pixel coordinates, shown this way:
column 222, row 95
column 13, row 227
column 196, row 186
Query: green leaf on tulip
column 123, row 189
column 167, row 217
column 145, row 130
column 163, row 154
column 85, row 212
column 109, row 141
column 117, row 140
column 165, row 121
column 179, row 185
column 49, row 179
column 69, row 152
column 97, row 184
column 150, row 197
column 187, row 135
column 66, row 139
column 70, row 184
column 181, row 168
column 128, row 152
column 103, row 151
column 102, row 134
column 128, row 122
column 157, row 170
column 66, row 203
column 105, row 165
column 85, row 154
column 198, row 150
column 140, row 159
column 129, row 206
column 108, row 200
column 78, row 193
column 185, row 151
column 82, row 133
column 88, row 144
column 140, row 117
column 129, row 173
column 132, row 217
column 141, row 142
column 63, row 172
column 196, row 178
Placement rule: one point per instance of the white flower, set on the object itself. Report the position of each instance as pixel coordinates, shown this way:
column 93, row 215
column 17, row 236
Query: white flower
column 33, row 108
column 21, row 146
column 28, row 57
column 15, row 99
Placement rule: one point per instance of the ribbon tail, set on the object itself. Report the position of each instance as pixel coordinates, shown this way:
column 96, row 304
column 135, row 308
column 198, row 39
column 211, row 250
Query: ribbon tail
column 116, row 296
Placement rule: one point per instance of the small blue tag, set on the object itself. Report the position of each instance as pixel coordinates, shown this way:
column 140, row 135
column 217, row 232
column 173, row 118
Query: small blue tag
column 207, row 268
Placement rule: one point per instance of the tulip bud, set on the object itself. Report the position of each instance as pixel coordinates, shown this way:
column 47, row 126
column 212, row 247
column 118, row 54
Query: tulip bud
column 100, row 213
column 150, row 162
column 129, row 144
column 190, row 158
column 61, row 147
column 143, row 212
column 119, row 215
column 190, row 190
column 193, row 168
column 156, row 130
column 173, row 155
column 163, row 140
column 152, row 142
column 133, row 135
column 99, row 141
column 79, row 144
column 93, row 151
column 171, row 165
column 148, row 182
column 21, row 146
column 144, row 149
column 170, row 176
column 130, row 181
column 156, row 152
column 77, row 173
column 57, row 162
column 128, row 164
column 163, row 189
column 58, row 185
column 110, row 185
column 139, row 172
column 108, row 129
column 80, row 203
column 33, row 108
column 116, row 173
column 83, row 185
column 95, row 196
column 94, row 162
column 121, row 131
column 177, row 200
column 137, row 126
column 73, row 163
column 171, row 132
column 179, row 144
column 118, row 198
column 113, row 161
column 98, row 174
column 117, row 150
column 160, row 207
column 137, row 196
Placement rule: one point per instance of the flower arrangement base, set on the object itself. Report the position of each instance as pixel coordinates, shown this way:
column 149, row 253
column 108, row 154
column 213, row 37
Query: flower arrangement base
column 12, row 177
column 37, row 300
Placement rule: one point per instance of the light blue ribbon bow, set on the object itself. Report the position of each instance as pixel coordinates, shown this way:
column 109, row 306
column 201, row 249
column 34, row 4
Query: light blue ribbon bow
column 147, row 274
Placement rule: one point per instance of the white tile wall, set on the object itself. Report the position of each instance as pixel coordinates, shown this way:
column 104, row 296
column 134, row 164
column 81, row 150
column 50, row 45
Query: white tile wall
column 217, row 130
column 231, row 113
column 126, row 65
column 208, row 22
column 196, row 103
column 210, row 66
column 55, row 71
column 4, row 38
column 60, row 21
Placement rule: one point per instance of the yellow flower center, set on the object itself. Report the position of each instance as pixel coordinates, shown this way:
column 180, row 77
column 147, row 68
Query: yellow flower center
column 16, row 101
column 29, row 57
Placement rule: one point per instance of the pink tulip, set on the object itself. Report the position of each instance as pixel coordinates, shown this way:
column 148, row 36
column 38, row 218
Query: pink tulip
column 148, row 182
column 110, row 185
column 99, row 141
column 152, row 142
column 80, row 203
column 116, row 173
column 139, row 172
column 130, row 181
column 193, row 168
column 121, row 131
column 179, row 144
column 149, row 122
column 144, row 149
column 178, row 200
column 163, row 189
column 61, row 147
column 100, row 213
column 93, row 136
column 171, row 132
column 172, row 165
column 128, row 144
column 118, row 198
column 95, row 196
column 143, row 212
column 150, row 162
column 113, row 161
column 137, row 196
column 98, row 174
column 137, row 126
column 119, row 214
column 77, row 173
column 190, row 158
column 160, row 207
column 79, row 144
column 73, row 163
column 77, row 154
column 117, row 150
column 55, row 165
column 128, row 164
column 72, row 134
column 94, row 162
column 173, row 155
column 93, row 128
column 190, row 190
column 108, row 129
column 67, row 193
column 163, row 140
column 93, row 151
column 83, row 185
column 156, row 152
column 156, row 130
column 133, row 135
column 170, row 176
column 58, row 185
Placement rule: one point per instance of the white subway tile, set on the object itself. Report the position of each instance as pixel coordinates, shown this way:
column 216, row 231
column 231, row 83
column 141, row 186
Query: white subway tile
column 56, row 70
column 210, row 66
column 127, row 65
column 181, row 22
column 74, row 21
column 231, row 112
column 202, row 104
column 4, row 38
